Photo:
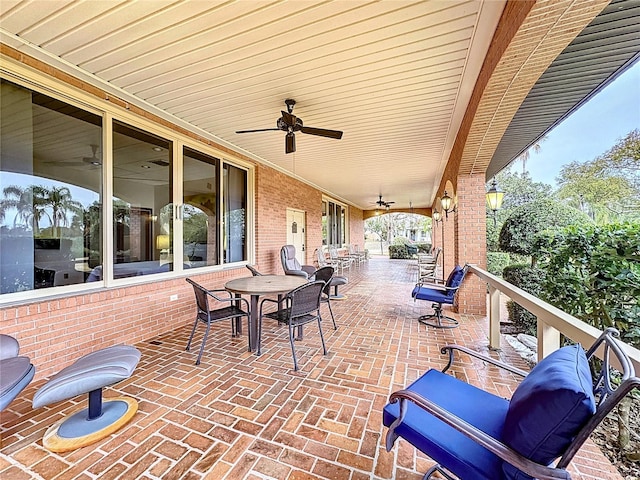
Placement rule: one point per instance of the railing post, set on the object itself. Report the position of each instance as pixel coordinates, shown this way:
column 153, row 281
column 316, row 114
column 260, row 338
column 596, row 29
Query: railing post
column 494, row 318
column 548, row 339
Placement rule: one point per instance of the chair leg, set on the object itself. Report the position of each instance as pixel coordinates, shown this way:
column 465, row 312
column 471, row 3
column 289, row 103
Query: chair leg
column 193, row 331
column 249, row 332
column 293, row 349
column 441, row 321
column 204, row 341
column 259, row 339
column 335, row 327
column 324, row 348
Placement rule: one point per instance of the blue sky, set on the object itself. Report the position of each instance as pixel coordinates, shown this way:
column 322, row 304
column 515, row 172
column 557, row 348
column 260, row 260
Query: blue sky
column 591, row 130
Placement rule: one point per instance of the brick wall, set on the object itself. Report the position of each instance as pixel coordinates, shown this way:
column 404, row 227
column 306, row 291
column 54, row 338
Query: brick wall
column 55, row 332
column 275, row 193
column 356, row 227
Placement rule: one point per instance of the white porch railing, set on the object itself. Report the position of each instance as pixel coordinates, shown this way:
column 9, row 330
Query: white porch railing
column 551, row 320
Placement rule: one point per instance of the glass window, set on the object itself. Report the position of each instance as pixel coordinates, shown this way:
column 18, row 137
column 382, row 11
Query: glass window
column 142, row 203
column 334, row 224
column 325, row 231
column 200, row 219
column 235, row 214
column 50, row 191
column 343, row 226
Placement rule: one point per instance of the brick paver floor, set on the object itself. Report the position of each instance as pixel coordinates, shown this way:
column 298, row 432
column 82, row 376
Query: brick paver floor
column 238, row 416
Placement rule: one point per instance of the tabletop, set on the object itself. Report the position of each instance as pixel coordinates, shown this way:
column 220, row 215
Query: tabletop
column 264, row 284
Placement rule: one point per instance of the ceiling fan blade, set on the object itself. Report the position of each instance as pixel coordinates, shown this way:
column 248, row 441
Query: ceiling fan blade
column 259, row 130
column 289, row 143
column 321, row 132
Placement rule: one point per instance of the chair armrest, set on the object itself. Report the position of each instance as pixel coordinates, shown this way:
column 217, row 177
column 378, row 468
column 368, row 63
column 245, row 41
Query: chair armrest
column 230, row 297
column 435, row 286
column 270, row 300
column 496, row 447
column 308, row 269
column 297, row 273
column 215, row 294
column 449, row 349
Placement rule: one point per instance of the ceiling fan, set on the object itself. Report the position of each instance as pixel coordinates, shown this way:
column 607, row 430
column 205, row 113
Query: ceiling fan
column 289, row 123
column 383, row 204
column 92, row 161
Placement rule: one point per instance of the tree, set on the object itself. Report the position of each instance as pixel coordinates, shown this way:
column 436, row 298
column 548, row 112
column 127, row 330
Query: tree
column 30, row 203
column 62, row 203
column 519, row 190
column 524, row 156
column 607, row 188
column 520, row 229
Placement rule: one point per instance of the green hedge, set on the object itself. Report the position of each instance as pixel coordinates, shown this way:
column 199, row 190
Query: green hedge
column 529, row 279
column 594, row 274
column 398, row 252
column 423, row 247
column 496, row 261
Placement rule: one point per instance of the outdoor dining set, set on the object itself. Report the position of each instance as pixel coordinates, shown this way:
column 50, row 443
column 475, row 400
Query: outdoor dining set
column 300, row 293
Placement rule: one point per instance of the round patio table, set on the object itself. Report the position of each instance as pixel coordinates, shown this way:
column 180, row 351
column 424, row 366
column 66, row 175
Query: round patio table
column 261, row 285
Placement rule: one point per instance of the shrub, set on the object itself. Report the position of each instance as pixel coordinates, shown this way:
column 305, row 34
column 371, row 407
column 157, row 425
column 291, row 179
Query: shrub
column 530, row 280
column 401, row 241
column 593, row 273
column 496, row 261
column 520, row 229
column 423, row 247
column 398, row 251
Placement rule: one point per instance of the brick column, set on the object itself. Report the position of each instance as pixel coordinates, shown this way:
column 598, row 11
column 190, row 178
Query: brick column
column 449, row 247
column 471, row 241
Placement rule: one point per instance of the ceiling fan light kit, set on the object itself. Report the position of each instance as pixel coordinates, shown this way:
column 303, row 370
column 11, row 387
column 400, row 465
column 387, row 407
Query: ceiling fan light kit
column 289, row 123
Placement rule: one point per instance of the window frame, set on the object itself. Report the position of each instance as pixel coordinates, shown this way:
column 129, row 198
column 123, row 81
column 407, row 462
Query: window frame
column 36, row 81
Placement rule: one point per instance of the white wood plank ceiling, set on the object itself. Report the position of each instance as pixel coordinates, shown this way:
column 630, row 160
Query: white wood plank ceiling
column 394, row 76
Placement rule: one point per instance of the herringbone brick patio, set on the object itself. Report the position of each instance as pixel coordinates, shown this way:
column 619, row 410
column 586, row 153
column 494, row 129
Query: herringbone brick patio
column 238, row 416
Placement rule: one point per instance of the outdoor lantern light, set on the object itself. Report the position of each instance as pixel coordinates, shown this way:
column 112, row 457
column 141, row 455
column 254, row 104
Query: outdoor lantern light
column 447, row 203
column 436, row 216
column 494, row 199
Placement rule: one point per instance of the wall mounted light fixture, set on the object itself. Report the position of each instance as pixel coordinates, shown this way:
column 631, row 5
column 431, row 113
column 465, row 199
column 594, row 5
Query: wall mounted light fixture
column 494, row 199
column 447, row 204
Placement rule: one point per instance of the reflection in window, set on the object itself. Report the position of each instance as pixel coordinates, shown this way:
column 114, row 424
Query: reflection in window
column 50, row 191
column 199, row 225
column 235, row 214
column 334, row 224
column 142, row 203
column 325, row 231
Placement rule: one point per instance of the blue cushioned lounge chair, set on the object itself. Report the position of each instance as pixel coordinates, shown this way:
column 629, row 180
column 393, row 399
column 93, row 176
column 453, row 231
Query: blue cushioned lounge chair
column 440, row 294
column 473, row 434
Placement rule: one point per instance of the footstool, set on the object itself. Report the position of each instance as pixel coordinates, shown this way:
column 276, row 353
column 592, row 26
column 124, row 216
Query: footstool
column 89, row 374
column 335, row 282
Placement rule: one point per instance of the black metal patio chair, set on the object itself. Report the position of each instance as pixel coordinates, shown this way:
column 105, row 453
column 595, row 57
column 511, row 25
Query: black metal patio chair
column 302, row 307
column 207, row 315
column 325, row 274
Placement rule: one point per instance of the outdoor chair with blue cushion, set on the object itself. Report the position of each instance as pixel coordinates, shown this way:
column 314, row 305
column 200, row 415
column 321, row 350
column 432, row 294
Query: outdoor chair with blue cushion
column 474, row 434
column 440, row 294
